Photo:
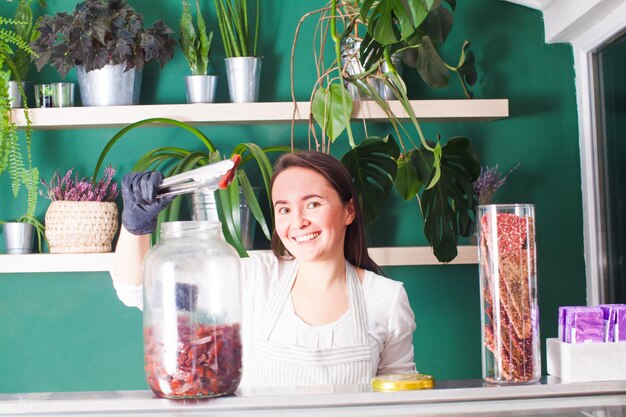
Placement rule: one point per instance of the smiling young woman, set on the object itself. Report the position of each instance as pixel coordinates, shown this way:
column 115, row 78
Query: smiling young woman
column 316, row 311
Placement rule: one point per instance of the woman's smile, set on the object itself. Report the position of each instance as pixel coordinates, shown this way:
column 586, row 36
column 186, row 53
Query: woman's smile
column 306, row 238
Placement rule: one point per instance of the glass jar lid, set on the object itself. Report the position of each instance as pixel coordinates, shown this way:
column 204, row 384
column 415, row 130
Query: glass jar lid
column 402, row 382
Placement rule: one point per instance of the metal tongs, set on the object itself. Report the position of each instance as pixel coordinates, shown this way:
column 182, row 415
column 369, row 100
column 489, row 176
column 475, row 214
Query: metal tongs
column 209, row 177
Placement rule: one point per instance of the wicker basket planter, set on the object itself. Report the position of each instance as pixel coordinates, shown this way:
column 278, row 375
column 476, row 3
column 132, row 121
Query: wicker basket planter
column 81, row 226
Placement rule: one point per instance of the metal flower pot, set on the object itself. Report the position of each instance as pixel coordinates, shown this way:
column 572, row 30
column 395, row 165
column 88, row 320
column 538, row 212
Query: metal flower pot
column 350, row 61
column 244, row 76
column 13, row 90
column 109, row 86
column 201, row 88
column 18, row 238
column 204, row 208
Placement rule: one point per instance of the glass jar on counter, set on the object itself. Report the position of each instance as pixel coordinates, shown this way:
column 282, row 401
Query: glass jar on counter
column 192, row 312
column 508, row 292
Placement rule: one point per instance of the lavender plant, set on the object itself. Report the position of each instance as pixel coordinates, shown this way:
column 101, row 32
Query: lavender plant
column 67, row 188
column 488, row 182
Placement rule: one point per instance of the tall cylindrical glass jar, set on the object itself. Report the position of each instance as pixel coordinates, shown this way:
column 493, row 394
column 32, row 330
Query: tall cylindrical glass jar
column 508, row 291
column 192, row 312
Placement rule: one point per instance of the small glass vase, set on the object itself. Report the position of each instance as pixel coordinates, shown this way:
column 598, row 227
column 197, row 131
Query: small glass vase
column 511, row 351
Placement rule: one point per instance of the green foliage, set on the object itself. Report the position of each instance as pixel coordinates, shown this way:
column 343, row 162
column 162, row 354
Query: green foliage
column 378, row 30
column 416, row 32
column 373, row 169
column 174, row 160
column 195, row 43
column 20, row 168
column 25, row 31
column 97, row 33
column 237, row 37
column 447, row 206
column 332, row 109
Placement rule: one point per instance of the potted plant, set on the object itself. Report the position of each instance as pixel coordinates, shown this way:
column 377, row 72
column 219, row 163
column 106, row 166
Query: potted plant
column 24, row 29
column 175, row 160
column 196, row 46
column 243, row 66
column 19, row 233
column 12, row 159
column 439, row 175
column 82, row 217
column 108, row 44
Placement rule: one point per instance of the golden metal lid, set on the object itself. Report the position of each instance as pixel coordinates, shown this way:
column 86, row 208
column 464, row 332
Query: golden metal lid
column 402, row 382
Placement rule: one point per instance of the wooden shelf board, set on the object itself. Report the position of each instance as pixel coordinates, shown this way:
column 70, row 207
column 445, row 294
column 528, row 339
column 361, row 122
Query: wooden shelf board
column 99, row 262
column 253, row 113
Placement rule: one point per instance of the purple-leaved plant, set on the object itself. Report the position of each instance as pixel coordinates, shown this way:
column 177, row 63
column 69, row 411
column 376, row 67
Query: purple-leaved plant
column 488, row 183
column 80, row 189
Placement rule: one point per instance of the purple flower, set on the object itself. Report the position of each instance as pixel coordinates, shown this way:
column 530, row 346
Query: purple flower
column 80, row 189
column 488, row 183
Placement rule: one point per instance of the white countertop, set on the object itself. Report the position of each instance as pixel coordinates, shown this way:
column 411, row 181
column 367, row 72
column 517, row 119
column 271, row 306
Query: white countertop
column 470, row 397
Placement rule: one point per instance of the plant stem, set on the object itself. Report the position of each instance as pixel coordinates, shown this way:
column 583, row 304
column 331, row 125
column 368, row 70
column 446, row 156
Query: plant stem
column 337, row 41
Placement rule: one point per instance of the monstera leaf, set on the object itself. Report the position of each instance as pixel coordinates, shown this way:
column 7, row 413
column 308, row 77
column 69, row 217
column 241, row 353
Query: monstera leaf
column 447, row 206
column 372, row 165
column 392, row 21
column 430, row 66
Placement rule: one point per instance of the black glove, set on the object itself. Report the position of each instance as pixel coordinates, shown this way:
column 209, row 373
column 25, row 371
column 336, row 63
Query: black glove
column 141, row 205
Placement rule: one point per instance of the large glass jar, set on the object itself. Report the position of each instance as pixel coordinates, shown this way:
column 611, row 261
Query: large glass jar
column 508, row 291
column 192, row 312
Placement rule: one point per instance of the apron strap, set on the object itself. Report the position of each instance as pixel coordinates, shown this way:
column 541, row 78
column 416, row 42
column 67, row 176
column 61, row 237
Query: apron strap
column 357, row 305
column 278, row 300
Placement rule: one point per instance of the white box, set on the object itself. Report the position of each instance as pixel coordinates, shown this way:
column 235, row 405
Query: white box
column 586, row 361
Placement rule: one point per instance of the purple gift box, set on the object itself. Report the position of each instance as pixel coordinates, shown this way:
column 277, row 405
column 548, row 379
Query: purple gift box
column 614, row 316
column 583, row 324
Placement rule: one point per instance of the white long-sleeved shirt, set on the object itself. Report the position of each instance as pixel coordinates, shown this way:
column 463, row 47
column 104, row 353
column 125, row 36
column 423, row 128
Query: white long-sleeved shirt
column 390, row 319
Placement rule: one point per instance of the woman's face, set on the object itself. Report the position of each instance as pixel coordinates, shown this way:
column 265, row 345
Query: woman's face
column 310, row 218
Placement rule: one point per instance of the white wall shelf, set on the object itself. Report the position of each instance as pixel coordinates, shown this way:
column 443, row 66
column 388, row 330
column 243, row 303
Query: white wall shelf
column 253, row 113
column 98, row 262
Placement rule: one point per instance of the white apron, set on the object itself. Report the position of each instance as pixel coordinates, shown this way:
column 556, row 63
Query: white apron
column 275, row 364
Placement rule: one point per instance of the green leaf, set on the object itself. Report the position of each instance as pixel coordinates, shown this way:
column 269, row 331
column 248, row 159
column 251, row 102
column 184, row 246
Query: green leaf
column 447, row 206
column 390, row 21
column 188, row 37
column 204, row 41
column 466, row 69
column 373, row 167
column 332, row 109
column 226, row 200
column 438, row 23
column 430, row 66
column 407, row 183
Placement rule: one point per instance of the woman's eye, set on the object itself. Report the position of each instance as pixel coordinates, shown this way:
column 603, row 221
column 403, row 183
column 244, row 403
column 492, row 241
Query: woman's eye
column 283, row 210
column 313, row 204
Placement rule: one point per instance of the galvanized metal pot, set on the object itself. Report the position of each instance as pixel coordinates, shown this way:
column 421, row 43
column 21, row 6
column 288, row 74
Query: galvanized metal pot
column 350, row 61
column 204, row 208
column 17, row 101
column 244, row 76
column 18, row 238
column 201, row 88
column 109, row 86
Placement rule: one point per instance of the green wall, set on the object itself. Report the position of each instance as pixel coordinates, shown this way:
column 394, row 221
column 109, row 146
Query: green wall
column 68, row 332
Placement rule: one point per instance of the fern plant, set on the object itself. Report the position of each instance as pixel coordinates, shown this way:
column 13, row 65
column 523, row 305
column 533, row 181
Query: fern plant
column 19, row 166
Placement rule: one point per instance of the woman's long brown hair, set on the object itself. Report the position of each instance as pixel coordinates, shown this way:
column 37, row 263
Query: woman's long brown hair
column 355, row 245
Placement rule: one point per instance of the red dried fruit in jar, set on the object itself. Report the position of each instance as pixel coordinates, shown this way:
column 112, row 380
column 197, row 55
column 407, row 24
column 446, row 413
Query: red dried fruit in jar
column 205, row 363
